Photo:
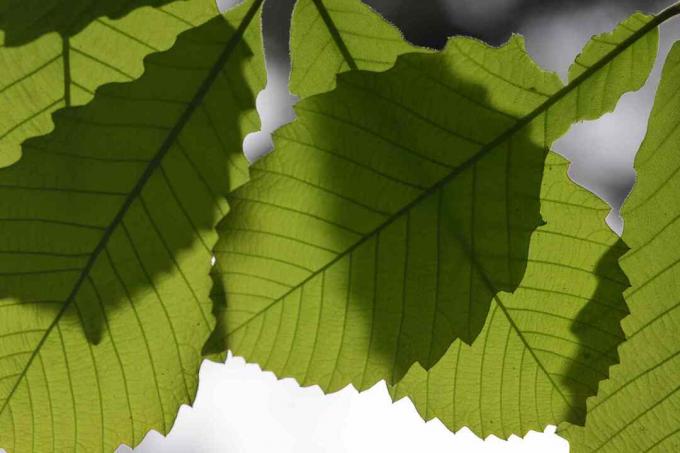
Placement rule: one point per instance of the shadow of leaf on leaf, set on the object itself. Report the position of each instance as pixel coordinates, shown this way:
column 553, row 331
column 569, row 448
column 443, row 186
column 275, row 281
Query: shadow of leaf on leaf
column 391, row 212
column 26, row 20
column 598, row 324
column 115, row 209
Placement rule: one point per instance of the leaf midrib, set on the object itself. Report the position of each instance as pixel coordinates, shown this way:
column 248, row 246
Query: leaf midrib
column 152, row 166
column 483, row 151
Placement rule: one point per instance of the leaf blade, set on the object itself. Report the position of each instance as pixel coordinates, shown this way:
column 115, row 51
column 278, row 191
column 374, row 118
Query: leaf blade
column 58, row 71
column 546, row 346
column 330, row 36
column 641, row 393
column 323, row 243
column 112, row 222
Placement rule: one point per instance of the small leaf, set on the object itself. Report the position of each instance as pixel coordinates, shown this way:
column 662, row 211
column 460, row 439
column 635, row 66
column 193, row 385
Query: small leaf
column 638, row 408
column 629, row 69
column 108, row 228
column 56, row 71
column 395, row 208
column 328, row 37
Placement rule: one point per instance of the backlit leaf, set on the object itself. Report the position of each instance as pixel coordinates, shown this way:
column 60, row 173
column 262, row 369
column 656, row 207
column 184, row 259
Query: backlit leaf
column 638, row 408
column 107, row 231
column 328, row 37
column 396, row 207
column 55, row 71
column 545, row 347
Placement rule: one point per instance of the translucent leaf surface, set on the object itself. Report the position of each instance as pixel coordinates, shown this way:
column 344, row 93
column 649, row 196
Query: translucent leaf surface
column 25, row 20
column 107, row 231
column 55, row 71
column 638, row 408
column 545, row 347
column 396, row 207
column 332, row 36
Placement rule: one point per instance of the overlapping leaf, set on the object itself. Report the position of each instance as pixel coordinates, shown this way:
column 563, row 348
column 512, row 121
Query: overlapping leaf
column 58, row 70
column 638, row 408
column 544, row 348
column 397, row 206
column 107, row 230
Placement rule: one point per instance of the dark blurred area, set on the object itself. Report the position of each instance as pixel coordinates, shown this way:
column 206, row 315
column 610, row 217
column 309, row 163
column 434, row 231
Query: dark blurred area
column 429, row 22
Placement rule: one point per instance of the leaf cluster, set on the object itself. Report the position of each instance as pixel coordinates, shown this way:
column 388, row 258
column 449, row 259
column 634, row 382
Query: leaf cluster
column 411, row 225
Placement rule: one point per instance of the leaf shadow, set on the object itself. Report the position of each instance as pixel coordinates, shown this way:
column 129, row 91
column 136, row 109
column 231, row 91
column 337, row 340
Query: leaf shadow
column 599, row 332
column 474, row 229
column 26, row 20
column 113, row 213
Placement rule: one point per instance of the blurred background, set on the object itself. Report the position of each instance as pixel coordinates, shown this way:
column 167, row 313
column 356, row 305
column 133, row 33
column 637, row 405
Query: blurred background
column 240, row 409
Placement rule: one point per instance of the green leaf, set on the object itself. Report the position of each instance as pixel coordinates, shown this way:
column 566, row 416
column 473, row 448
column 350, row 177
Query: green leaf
column 55, row 71
column 396, row 207
column 328, row 37
column 108, row 227
column 638, row 408
column 630, row 69
column 545, row 347
column 25, row 20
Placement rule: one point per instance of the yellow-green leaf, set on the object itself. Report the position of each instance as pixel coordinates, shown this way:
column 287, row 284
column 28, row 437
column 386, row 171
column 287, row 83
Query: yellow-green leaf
column 396, row 207
column 55, row 71
column 107, row 234
column 545, row 347
column 25, row 20
column 638, row 408
column 328, row 37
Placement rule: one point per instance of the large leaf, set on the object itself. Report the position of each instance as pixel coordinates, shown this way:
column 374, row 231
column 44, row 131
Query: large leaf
column 328, row 37
column 61, row 70
column 638, row 408
column 107, row 230
column 544, row 348
column 396, row 207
